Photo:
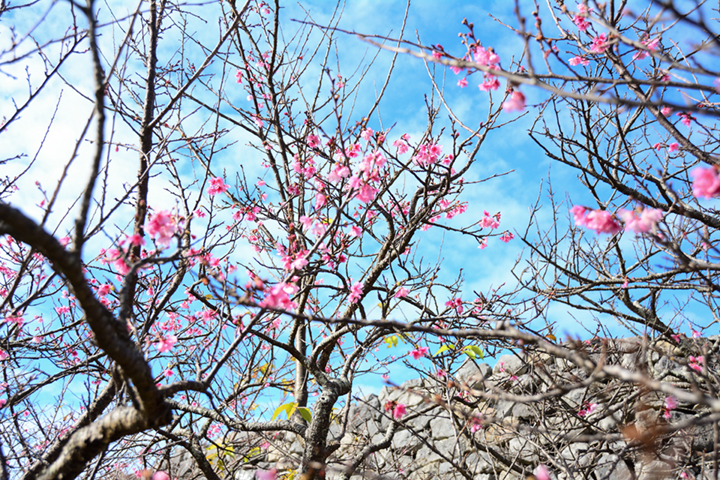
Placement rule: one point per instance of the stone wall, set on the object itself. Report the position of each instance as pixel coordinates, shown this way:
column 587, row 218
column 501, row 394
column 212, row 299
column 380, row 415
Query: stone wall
column 499, row 423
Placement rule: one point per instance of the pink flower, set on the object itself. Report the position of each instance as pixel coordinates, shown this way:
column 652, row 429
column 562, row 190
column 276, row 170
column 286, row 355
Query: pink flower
column 160, row 475
column 671, row 403
column 646, row 222
column 658, row 146
column 575, row 61
column 419, row 352
column 686, row 118
column 579, row 214
column 462, row 83
column 541, row 473
column 666, row 111
column 136, row 239
column 2, row 402
column 278, row 296
column 599, row 44
column 516, row 102
column 696, row 363
column 161, row 227
column 490, row 222
column 490, row 82
column 313, row 141
column 104, row 289
column 602, row 221
column 307, row 222
column 651, row 44
column 673, row 147
column 266, row 474
column 217, row 185
column 475, row 424
column 507, row 236
column 401, row 293
column 355, row 292
column 166, row 343
column 706, row 183
column 399, row 411
column 320, row 201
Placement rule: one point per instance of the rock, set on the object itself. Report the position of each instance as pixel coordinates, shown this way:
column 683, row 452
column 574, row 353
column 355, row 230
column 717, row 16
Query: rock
column 473, row 373
column 612, row 467
column 654, row 470
column 442, row 427
column 511, row 365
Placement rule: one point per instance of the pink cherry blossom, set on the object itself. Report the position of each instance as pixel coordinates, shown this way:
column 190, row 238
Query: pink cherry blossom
column 489, row 222
column 673, row 147
column 462, row 83
column 419, row 352
column 541, row 473
column 104, row 289
column 160, row 475
column 575, row 61
column 401, row 293
column 399, row 411
column 490, row 82
column 266, row 474
column 166, row 343
column 602, row 221
column 307, row 222
column 516, row 102
column 599, row 44
column 313, row 141
column 671, row 403
column 355, row 292
column 650, row 44
column 706, row 183
column 278, row 296
column 136, row 240
column 506, row 237
column 685, row 118
column 161, row 227
column 217, row 185
column 645, row 222
column 666, row 111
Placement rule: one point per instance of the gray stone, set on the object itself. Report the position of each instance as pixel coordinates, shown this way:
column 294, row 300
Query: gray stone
column 479, row 462
column 511, row 365
column 523, row 449
column 473, row 373
column 425, row 456
column 406, row 442
column 654, row 470
column 577, row 453
column 612, row 467
column 442, row 427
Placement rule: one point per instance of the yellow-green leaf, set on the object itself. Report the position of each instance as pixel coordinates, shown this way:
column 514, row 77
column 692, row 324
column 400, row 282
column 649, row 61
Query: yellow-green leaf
column 445, row 348
column 287, row 408
column 473, row 351
column 305, row 413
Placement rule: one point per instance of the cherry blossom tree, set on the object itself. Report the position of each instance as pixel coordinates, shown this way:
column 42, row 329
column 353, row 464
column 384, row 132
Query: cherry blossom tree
column 236, row 286
column 225, row 296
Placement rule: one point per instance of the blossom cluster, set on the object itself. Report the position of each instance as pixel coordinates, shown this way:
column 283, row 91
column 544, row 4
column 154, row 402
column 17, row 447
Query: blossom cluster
column 602, row 221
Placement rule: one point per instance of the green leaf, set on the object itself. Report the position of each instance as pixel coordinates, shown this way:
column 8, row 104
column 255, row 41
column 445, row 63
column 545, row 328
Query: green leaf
column 288, row 408
column 391, row 341
column 473, row 351
column 305, row 413
column 444, row 348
